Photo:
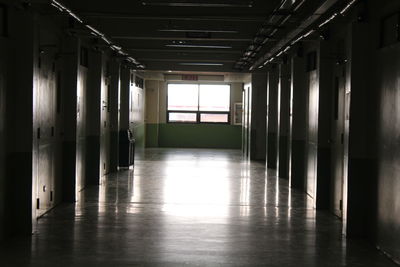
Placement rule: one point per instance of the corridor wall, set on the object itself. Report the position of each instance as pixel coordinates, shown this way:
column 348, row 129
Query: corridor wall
column 159, row 133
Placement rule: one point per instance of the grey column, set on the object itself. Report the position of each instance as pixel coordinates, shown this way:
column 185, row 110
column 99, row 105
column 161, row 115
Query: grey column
column 364, row 201
column 284, row 115
column 124, row 98
column 124, row 146
column 258, row 113
column 272, row 117
column 22, row 60
column 69, row 91
column 95, row 80
column 299, row 120
column 319, row 124
column 324, row 126
column 3, row 74
column 114, row 113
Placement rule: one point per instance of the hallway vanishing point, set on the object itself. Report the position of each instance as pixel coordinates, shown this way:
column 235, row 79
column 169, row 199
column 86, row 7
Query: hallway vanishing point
column 190, row 207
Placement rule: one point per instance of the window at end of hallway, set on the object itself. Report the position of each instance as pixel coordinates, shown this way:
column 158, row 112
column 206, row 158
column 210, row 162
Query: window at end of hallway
column 198, row 103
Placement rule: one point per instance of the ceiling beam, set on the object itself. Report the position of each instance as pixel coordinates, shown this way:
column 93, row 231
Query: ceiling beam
column 181, row 39
column 183, row 51
column 191, row 18
column 178, row 60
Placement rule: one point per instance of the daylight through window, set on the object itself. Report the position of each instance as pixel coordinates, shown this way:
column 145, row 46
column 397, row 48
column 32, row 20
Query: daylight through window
column 198, row 103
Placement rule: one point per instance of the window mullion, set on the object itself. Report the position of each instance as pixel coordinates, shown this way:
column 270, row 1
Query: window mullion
column 198, row 103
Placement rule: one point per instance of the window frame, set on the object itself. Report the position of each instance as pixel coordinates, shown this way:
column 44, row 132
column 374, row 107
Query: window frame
column 198, row 112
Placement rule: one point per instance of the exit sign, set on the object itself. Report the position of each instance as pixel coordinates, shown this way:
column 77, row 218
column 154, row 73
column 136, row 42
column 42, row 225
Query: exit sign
column 190, row 77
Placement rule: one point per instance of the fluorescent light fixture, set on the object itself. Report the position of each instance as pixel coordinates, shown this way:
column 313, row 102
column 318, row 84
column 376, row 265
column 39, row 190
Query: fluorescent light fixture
column 197, row 30
column 57, row 6
column 308, row 34
column 75, row 17
column 134, row 61
column 328, row 20
column 349, row 5
column 62, row 8
column 188, row 4
column 199, row 46
column 107, row 41
column 122, row 53
column 116, row 47
column 201, row 64
column 95, row 31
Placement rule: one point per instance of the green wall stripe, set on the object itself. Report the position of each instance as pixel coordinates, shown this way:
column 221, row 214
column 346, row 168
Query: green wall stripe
column 194, row 135
column 151, row 135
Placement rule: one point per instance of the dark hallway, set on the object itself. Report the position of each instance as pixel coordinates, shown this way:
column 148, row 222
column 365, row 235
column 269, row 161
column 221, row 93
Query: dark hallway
column 191, row 207
column 140, row 132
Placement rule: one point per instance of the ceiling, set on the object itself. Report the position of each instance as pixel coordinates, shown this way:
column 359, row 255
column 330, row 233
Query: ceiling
column 194, row 35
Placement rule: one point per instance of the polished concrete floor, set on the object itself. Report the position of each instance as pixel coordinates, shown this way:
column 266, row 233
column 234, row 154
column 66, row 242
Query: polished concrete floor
column 190, row 207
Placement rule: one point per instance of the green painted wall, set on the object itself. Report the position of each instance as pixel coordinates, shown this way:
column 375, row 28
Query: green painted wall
column 152, row 135
column 194, row 135
column 139, row 134
column 159, row 133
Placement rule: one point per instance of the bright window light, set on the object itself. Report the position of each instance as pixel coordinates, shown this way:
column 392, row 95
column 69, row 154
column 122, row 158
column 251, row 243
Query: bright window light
column 183, row 97
column 215, row 97
column 182, row 117
column 199, row 103
column 206, row 117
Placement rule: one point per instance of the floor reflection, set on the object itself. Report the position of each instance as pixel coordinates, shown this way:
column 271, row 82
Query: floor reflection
column 184, row 207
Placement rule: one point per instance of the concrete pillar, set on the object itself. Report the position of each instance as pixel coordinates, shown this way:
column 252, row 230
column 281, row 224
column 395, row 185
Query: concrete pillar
column 69, row 89
column 324, row 126
column 360, row 198
column 124, row 98
column 298, row 123
column 258, row 114
column 95, row 81
column 284, row 119
column 137, row 125
column 272, row 118
column 246, row 140
column 152, row 112
column 319, row 79
column 4, row 49
column 115, row 82
column 22, row 60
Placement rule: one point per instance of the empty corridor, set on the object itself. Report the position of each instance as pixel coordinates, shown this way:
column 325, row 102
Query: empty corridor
column 186, row 207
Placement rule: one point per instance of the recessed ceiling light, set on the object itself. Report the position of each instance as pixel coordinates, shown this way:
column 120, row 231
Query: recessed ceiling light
column 199, row 46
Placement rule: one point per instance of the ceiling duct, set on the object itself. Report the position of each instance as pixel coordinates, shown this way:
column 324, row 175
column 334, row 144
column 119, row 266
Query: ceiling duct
column 114, row 47
column 305, row 30
column 269, row 28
